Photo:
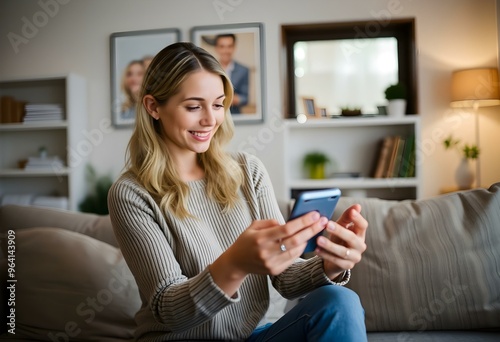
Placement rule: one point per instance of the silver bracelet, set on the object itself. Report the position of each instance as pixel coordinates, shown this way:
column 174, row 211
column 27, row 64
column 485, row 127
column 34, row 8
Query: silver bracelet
column 346, row 276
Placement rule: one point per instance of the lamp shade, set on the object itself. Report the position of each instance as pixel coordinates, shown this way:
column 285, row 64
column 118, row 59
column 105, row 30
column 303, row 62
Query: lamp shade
column 475, row 88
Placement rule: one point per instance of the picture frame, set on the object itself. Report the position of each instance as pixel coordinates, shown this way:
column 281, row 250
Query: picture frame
column 247, row 70
column 323, row 112
column 310, row 107
column 128, row 51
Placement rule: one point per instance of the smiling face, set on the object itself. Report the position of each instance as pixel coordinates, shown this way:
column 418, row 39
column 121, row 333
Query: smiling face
column 191, row 117
column 133, row 78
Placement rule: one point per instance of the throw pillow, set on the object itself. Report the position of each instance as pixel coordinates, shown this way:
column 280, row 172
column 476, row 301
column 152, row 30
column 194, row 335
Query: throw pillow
column 71, row 287
column 19, row 217
column 431, row 264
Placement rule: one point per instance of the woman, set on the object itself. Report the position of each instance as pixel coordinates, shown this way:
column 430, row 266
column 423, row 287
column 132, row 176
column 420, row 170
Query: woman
column 131, row 87
column 201, row 230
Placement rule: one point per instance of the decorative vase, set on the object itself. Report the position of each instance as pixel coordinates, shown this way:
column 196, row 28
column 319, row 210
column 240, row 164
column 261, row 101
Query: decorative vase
column 464, row 175
column 317, row 171
column 396, row 108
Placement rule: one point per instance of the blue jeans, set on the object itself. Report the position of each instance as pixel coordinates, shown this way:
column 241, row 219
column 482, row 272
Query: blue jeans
column 329, row 313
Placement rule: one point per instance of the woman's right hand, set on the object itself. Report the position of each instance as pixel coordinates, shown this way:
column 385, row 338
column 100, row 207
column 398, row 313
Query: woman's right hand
column 258, row 249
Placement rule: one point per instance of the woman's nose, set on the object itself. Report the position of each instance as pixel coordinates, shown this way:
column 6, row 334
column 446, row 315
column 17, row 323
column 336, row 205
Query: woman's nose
column 208, row 118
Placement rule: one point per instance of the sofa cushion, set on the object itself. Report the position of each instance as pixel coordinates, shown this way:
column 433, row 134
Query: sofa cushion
column 72, row 287
column 431, row 264
column 20, row 217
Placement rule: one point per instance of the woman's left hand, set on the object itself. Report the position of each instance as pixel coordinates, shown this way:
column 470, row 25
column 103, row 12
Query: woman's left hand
column 343, row 245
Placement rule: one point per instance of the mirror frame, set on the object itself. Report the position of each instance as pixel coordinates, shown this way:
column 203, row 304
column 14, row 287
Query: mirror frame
column 401, row 29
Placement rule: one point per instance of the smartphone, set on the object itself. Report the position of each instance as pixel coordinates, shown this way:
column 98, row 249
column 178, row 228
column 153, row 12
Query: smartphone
column 322, row 201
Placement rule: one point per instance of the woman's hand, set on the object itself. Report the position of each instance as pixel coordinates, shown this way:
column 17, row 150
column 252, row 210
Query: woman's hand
column 344, row 243
column 258, row 250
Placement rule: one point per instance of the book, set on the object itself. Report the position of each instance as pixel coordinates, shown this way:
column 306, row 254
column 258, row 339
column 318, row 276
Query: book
column 399, row 157
column 6, row 105
column 408, row 158
column 43, row 112
column 392, row 159
column 49, row 162
column 11, row 110
column 411, row 166
column 383, row 154
column 17, row 111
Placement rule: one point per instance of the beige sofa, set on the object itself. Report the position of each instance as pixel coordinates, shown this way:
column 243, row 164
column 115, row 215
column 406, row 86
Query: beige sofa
column 431, row 272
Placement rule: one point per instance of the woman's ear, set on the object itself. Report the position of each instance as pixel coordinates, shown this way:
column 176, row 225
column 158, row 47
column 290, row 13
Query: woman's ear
column 149, row 102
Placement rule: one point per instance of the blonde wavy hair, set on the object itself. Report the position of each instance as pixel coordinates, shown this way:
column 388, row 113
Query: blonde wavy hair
column 148, row 158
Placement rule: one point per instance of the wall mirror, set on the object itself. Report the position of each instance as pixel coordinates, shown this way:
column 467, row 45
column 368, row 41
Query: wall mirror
column 349, row 65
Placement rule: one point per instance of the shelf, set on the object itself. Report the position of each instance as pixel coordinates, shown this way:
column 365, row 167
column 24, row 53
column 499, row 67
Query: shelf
column 33, row 126
column 352, row 144
column 353, row 122
column 354, row 183
column 19, row 141
column 34, row 173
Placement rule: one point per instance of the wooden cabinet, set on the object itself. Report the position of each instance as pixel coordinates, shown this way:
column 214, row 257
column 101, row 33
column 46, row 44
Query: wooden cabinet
column 353, row 145
column 62, row 138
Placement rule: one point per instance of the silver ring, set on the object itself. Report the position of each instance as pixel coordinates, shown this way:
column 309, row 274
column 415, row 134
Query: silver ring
column 283, row 247
column 347, row 253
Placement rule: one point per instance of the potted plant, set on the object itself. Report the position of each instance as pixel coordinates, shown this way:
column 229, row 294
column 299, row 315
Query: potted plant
column 96, row 201
column 464, row 175
column 315, row 164
column 396, row 96
column 350, row 111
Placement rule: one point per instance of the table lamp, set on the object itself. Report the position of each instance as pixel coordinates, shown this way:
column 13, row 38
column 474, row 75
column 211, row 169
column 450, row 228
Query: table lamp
column 474, row 88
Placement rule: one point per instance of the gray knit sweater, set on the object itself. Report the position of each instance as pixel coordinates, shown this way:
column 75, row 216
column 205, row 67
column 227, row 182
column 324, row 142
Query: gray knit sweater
column 169, row 257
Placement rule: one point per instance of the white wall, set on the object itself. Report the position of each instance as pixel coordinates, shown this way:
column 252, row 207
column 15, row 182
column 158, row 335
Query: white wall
column 451, row 34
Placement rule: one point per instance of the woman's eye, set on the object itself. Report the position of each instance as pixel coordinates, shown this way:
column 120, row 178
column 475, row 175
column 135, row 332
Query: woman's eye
column 218, row 106
column 192, row 108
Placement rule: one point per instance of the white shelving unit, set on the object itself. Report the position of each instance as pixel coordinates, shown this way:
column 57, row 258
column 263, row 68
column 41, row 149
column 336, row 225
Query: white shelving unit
column 19, row 141
column 353, row 146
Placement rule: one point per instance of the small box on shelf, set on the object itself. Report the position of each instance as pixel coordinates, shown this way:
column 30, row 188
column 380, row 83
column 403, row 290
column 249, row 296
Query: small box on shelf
column 11, row 110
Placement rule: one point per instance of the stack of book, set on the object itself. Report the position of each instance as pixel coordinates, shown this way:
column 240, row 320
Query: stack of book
column 396, row 157
column 43, row 112
column 44, row 163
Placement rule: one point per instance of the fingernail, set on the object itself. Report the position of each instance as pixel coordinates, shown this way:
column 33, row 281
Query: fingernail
column 321, row 241
column 323, row 220
column 331, row 226
column 315, row 215
column 355, row 214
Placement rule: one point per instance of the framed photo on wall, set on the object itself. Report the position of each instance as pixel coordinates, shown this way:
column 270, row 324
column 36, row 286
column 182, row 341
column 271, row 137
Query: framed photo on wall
column 131, row 53
column 240, row 50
